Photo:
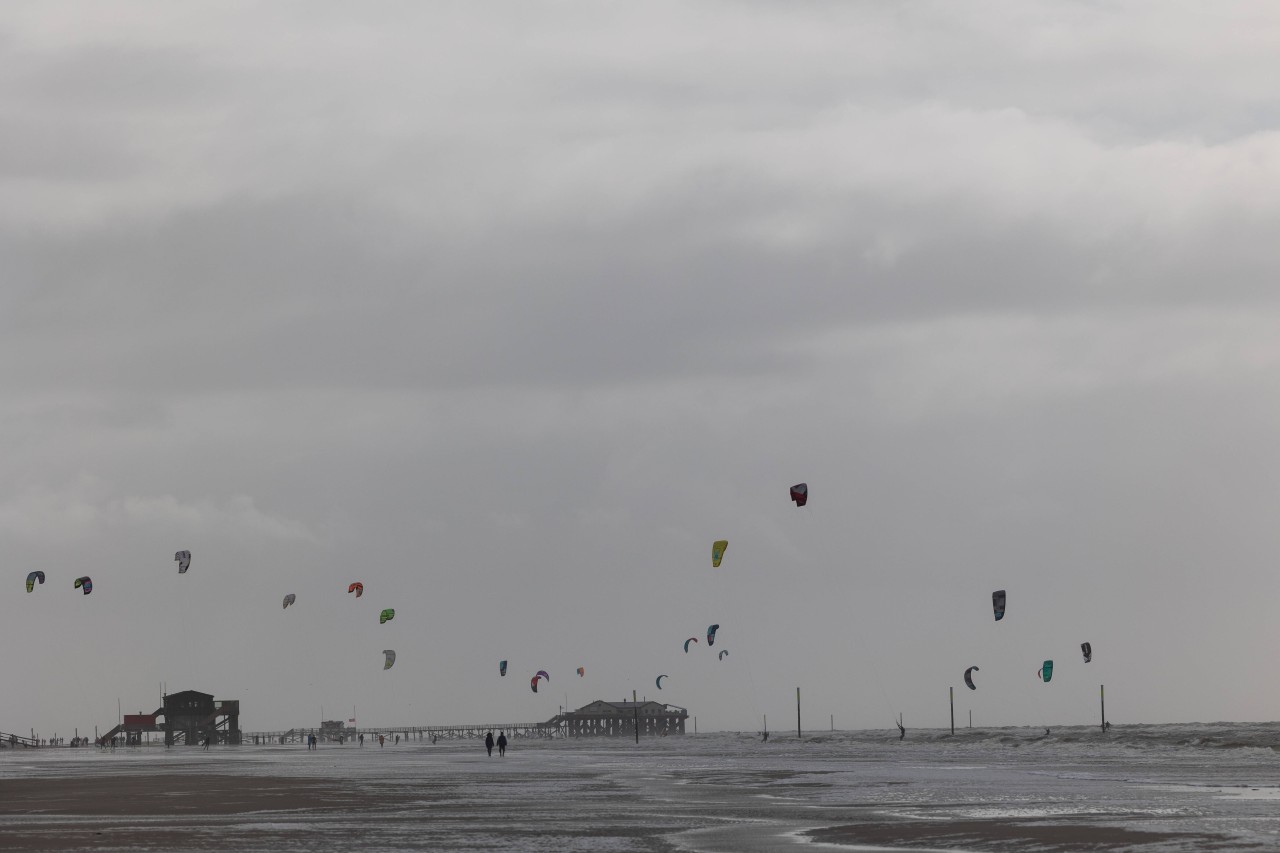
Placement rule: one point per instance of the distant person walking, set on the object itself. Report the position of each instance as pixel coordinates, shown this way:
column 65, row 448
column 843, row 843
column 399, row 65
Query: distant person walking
column 502, row 744
column 397, row 740
column 488, row 743
column 206, row 743
column 362, row 740
column 382, row 740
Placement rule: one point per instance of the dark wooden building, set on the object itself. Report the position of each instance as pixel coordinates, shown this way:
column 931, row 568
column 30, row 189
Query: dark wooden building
column 335, row 731
column 619, row 719
column 190, row 716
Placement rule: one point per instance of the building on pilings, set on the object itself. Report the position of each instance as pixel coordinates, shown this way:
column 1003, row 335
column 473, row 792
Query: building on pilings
column 189, row 717
column 621, row 719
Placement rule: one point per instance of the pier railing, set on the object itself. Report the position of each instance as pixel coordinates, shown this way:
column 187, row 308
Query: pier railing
column 7, row 739
column 549, row 729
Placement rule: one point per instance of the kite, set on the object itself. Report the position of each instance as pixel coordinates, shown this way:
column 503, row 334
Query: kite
column 184, row 561
column 1085, row 649
column 800, row 493
column 687, row 642
column 1046, row 671
column 289, row 599
column 582, row 670
column 85, row 584
column 968, row 677
column 717, row 552
column 997, row 603
column 658, row 681
column 542, row 673
column 533, row 684
column 32, row 578
column 357, row 588
column 386, row 616
column 723, row 653
column 711, row 634
column 390, row 660
column 502, row 668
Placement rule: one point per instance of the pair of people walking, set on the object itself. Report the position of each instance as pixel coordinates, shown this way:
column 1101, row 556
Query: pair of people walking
column 502, row 744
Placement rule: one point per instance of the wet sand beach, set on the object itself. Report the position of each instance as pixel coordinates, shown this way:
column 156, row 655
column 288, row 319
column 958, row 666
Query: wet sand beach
column 1007, row 791
column 1014, row 835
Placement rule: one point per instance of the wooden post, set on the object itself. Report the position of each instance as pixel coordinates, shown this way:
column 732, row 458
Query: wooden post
column 1102, row 697
column 953, row 709
column 797, row 712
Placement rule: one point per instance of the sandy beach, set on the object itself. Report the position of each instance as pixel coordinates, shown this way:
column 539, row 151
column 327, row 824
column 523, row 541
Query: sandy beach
column 700, row 793
column 167, row 810
column 1011, row 834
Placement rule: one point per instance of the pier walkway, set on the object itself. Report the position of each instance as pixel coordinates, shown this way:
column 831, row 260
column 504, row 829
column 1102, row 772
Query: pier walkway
column 551, row 728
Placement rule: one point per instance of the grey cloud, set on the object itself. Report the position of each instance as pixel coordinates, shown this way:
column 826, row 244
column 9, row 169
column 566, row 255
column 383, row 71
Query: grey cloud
column 510, row 312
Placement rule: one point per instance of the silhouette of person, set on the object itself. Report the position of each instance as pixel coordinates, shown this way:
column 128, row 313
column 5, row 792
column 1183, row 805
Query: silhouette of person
column 502, row 744
column 488, row 743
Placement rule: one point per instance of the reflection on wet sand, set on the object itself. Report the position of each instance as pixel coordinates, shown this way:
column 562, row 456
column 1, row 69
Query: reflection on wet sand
column 1001, row 790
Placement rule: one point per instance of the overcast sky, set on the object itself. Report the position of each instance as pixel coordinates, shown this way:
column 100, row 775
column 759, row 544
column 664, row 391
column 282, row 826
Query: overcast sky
column 508, row 310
